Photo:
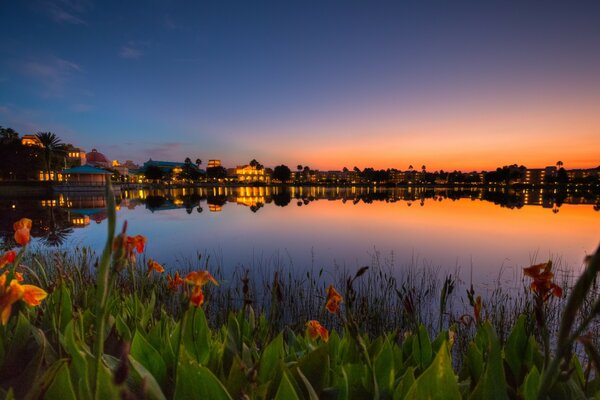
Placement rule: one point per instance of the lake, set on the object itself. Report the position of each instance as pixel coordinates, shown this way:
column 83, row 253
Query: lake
column 488, row 234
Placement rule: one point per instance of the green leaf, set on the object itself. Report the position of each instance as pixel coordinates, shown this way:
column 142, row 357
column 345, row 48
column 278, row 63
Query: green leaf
column 61, row 386
column 405, row 384
column 271, row 357
column 516, row 347
column 310, row 391
column 531, row 385
column 196, row 338
column 122, row 328
column 80, row 358
column 197, row 382
column 422, row 351
column 438, row 381
column 384, row 368
column 141, row 376
column 315, row 367
column 149, row 357
column 492, row 385
column 286, row 390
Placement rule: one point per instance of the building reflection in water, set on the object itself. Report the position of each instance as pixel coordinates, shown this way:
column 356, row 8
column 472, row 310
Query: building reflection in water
column 55, row 218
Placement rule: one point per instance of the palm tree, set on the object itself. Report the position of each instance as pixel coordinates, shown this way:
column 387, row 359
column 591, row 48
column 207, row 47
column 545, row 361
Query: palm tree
column 187, row 160
column 559, row 164
column 52, row 146
column 198, row 162
column 8, row 135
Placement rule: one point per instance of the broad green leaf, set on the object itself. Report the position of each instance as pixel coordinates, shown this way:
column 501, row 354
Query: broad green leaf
column 143, row 377
column 531, row 385
column 80, row 358
column 516, row 347
column 384, row 368
column 196, row 338
column 149, row 357
column 286, row 390
column 61, row 386
column 237, row 380
column 405, row 384
column 492, row 385
column 270, row 358
column 122, row 328
column 310, row 391
column 197, row 382
column 315, row 367
column 422, row 351
column 438, row 381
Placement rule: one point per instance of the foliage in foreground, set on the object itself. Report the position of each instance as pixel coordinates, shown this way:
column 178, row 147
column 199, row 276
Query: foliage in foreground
column 106, row 342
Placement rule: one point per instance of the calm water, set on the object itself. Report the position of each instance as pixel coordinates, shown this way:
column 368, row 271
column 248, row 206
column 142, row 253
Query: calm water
column 481, row 232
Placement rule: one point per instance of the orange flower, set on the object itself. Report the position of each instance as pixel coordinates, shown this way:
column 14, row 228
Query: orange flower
column 18, row 276
column 199, row 279
column 154, row 266
column 22, row 223
column 174, row 282
column 22, row 231
column 138, row 242
column 30, row 294
column 333, row 300
column 129, row 244
column 33, row 295
column 542, row 284
column 197, row 298
column 315, row 330
column 7, row 258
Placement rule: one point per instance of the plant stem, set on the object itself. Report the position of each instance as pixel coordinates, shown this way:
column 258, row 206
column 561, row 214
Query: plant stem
column 103, row 288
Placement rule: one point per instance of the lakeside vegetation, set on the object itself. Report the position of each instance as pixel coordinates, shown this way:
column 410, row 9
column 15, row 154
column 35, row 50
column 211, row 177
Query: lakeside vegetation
column 110, row 327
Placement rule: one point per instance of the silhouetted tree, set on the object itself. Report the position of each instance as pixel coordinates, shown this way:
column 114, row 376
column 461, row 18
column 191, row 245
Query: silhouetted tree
column 154, row 173
column 198, row 162
column 189, row 172
column 216, row 173
column 282, row 173
column 8, row 136
column 282, row 199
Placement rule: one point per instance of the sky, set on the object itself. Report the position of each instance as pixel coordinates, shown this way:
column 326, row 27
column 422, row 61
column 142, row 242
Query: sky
column 328, row 84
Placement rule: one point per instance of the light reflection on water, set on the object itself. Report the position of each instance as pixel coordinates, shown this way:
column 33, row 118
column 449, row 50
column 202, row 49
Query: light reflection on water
column 479, row 231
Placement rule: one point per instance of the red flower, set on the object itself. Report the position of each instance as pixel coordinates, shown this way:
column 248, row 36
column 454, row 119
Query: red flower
column 314, row 330
column 542, row 284
column 174, row 282
column 154, row 266
column 333, row 300
column 22, row 231
column 197, row 298
column 8, row 258
column 199, row 279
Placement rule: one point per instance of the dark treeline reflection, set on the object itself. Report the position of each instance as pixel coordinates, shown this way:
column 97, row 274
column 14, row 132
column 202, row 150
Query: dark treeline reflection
column 55, row 218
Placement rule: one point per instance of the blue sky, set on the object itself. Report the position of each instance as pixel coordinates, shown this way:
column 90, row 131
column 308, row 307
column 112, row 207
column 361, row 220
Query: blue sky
column 328, row 83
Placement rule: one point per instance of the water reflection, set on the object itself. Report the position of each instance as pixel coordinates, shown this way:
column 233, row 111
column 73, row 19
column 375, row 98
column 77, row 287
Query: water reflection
column 56, row 218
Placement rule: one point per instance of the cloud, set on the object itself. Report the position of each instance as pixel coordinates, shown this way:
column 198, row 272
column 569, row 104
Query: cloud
column 130, row 52
column 67, row 11
column 52, row 73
